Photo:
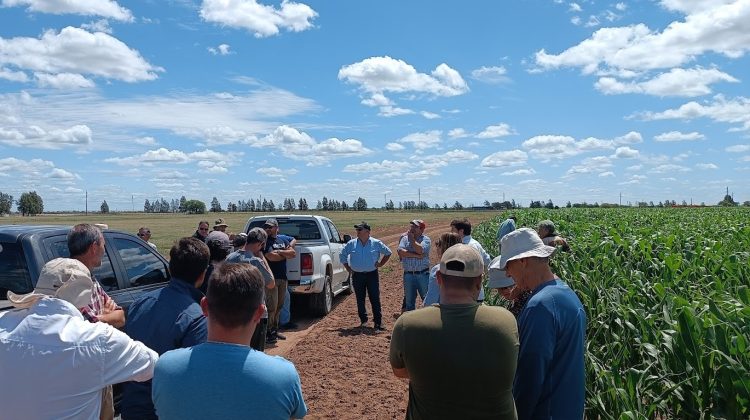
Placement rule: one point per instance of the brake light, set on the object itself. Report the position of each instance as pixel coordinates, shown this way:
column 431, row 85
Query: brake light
column 306, row 264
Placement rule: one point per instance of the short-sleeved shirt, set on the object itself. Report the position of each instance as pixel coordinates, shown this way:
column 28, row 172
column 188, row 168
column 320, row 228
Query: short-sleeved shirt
column 226, row 381
column 433, row 289
column 412, row 263
column 362, row 258
column 461, row 361
column 164, row 320
column 272, row 244
column 508, row 226
column 468, row 240
column 550, row 380
column 243, row 257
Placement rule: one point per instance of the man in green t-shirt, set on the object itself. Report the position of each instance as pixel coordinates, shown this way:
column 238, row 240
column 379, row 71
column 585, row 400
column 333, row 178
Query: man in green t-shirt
column 459, row 356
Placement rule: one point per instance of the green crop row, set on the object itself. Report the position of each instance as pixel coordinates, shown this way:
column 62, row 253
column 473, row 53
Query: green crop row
column 667, row 296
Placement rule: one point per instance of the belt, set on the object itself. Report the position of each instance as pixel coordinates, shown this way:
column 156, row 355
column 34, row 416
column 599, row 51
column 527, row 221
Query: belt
column 418, row 271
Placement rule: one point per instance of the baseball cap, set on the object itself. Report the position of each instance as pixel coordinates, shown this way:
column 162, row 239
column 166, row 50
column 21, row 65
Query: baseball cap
column 270, row 223
column 418, row 222
column 221, row 239
column 462, row 260
column 64, row 278
column 362, row 225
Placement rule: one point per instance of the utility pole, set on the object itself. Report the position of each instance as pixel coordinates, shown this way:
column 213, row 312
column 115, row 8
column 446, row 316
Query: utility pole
column 419, row 192
column 87, row 202
column 620, row 198
column 385, row 200
column 132, row 201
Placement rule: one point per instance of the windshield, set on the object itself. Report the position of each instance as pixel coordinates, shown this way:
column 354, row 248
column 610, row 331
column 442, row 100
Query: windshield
column 299, row 229
column 14, row 273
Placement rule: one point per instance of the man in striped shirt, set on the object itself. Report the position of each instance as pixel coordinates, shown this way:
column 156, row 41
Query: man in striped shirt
column 414, row 252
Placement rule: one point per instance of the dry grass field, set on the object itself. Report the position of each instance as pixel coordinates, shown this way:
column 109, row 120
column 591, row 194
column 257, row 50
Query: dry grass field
column 166, row 227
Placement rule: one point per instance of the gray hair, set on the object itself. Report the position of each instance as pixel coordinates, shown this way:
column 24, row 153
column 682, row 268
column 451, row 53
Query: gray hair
column 81, row 237
column 256, row 235
column 548, row 225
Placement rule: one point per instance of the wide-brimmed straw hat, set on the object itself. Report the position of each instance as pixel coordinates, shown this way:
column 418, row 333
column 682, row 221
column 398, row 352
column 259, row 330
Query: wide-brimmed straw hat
column 64, row 278
column 522, row 243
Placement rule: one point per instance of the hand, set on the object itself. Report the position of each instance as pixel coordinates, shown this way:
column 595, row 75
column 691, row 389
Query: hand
column 109, row 306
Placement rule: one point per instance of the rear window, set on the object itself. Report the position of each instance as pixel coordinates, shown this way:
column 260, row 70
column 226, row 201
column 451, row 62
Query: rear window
column 299, row 229
column 14, row 274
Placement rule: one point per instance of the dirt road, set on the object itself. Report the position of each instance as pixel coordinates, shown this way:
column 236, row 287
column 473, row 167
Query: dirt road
column 344, row 368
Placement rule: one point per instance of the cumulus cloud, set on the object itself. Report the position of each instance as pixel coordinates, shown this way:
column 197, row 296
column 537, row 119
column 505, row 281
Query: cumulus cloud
column 738, row 148
column 62, row 58
column 384, row 166
column 422, row 140
column 39, row 138
column 259, row 19
column 520, row 172
column 208, row 161
column 504, row 159
column 496, row 131
column 34, row 170
column 679, row 136
column 625, row 152
column 377, row 76
column 692, row 6
column 668, row 168
column 595, row 164
column 721, row 109
column 705, row 166
column 394, row 147
column 105, row 8
column 299, row 145
column 492, row 75
column 221, row 49
column 444, row 159
column 101, row 25
column 274, row 172
column 676, row 82
column 458, row 133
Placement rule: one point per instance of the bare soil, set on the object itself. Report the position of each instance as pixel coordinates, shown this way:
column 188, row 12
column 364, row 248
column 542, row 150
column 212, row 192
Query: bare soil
column 344, row 369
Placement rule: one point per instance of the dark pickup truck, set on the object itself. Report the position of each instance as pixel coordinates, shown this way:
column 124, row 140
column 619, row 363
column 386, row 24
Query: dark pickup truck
column 129, row 267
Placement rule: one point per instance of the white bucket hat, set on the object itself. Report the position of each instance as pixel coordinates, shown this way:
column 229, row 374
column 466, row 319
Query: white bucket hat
column 498, row 278
column 522, row 243
column 64, row 278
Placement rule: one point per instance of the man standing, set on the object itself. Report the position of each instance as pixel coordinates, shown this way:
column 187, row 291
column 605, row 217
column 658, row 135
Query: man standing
column 460, row 357
column 86, row 244
column 507, row 226
column 55, row 364
column 252, row 253
column 202, row 231
column 550, row 377
column 279, row 248
column 225, row 378
column 361, row 258
column 414, row 251
column 463, row 228
column 145, row 234
column 168, row 318
column 220, row 225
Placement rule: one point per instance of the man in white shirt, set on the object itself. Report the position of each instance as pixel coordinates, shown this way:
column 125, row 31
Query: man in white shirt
column 56, row 363
column 463, row 228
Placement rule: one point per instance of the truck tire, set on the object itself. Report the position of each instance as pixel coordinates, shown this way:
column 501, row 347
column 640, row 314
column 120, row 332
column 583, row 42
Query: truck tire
column 322, row 303
column 350, row 289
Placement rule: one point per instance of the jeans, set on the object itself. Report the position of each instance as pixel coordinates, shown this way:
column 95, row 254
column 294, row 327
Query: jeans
column 413, row 283
column 364, row 284
column 285, row 314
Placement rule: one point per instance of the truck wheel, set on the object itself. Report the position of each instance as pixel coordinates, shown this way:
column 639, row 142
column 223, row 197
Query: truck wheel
column 322, row 303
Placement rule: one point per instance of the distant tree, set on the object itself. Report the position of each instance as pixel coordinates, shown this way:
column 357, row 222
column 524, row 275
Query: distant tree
column 436, row 206
column 195, row 207
column 30, row 204
column 728, row 201
column 360, row 204
column 389, row 205
column 183, row 200
column 487, row 203
column 746, row 203
column 344, row 206
column 535, row 205
column 215, row 205
column 549, row 205
column 146, row 206
column 445, row 206
column 271, row 206
column 104, row 207
column 568, row 205
column 6, row 202
column 457, row 206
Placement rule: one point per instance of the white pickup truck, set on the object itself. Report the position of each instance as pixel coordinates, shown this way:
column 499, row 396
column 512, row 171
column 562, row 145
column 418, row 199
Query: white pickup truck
column 316, row 270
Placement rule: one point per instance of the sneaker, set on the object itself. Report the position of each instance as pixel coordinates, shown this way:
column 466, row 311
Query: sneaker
column 379, row 327
column 270, row 339
column 280, row 337
column 363, row 325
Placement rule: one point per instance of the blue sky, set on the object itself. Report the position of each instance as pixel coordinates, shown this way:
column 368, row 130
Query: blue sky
column 467, row 101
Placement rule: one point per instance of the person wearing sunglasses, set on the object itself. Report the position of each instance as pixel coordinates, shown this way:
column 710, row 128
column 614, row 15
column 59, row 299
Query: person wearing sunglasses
column 202, row 231
column 145, row 234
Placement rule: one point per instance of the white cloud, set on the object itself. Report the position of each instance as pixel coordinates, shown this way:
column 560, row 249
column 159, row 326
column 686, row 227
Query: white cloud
column 258, row 19
column 458, row 133
column 145, row 141
column 13, row 76
column 222, row 49
column 625, row 152
column 679, row 136
column 692, row 6
column 607, row 174
column 738, row 148
column 39, row 138
column 429, row 115
column 299, row 145
column 104, row 8
column 706, row 166
column 520, row 172
column 632, row 137
column 676, row 82
column 62, row 174
column 63, row 81
column 621, row 6
column 595, row 164
column 74, row 51
column 448, row 158
column 394, row 147
column 492, row 75
column 574, row 7
column 668, row 168
column 101, row 25
column 721, row 29
column 384, row 166
column 274, row 172
column 732, row 111
column 505, row 159
column 496, row 131
column 422, row 140
column 547, row 147
column 379, row 75
column 150, row 157
column 634, row 168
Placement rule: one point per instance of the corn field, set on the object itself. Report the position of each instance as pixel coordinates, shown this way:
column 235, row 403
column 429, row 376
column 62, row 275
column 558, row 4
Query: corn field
column 668, row 305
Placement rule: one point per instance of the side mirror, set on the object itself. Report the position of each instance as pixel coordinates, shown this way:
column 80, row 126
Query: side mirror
column 347, row 238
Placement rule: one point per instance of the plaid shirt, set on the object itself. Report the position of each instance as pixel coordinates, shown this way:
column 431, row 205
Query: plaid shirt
column 99, row 300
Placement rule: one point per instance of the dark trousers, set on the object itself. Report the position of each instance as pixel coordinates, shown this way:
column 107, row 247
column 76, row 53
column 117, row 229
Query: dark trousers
column 367, row 284
column 258, row 341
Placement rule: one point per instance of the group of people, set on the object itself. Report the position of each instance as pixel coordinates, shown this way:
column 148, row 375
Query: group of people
column 183, row 353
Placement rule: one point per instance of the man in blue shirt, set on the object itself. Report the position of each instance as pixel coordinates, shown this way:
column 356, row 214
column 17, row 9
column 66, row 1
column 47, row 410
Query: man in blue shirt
column 278, row 249
column 507, row 226
column 225, row 378
column 414, row 251
column 168, row 318
column 550, row 376
column 361, row 258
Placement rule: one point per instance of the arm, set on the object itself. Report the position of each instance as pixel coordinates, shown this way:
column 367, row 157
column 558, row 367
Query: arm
column 395, row 353
column 114, row 318
column 196, row 332
column 537, row 337
column 383, row 261
column 126, row 359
